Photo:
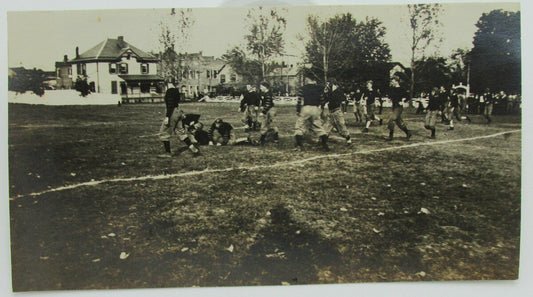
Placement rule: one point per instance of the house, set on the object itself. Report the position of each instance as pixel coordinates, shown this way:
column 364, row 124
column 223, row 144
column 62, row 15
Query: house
column 202, row 74
column 287, row 78
column 113, row 67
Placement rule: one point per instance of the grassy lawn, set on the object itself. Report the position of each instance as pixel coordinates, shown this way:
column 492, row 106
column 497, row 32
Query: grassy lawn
column 441, row 211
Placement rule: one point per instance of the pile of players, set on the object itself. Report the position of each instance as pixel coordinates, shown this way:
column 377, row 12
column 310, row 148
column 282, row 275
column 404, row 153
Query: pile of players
column 320, row 110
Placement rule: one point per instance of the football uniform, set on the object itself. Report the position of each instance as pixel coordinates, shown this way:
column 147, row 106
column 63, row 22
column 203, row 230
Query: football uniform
column 335, row 119
column 396, row 95
column 309, row 109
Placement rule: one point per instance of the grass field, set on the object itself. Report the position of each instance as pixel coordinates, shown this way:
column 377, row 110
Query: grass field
column 372, row 212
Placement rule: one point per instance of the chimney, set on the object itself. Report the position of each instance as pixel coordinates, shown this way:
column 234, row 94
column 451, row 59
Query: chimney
column 120, row 38
column 65, row 58
column 77, row 52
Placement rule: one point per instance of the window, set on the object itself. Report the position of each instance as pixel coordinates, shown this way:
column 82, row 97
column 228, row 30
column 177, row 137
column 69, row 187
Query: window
column 123, row 68
column 215, row 73
column 92, row 86
column 58, row 73
column 82, row 69
column 112, row 68
column 233, row 77
column 208, row 73
column 114, row 89
column 144, row 68
column 222, row 78
column 69, row 70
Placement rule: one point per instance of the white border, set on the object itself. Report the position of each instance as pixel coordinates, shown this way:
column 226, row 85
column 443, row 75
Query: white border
column 521, row 287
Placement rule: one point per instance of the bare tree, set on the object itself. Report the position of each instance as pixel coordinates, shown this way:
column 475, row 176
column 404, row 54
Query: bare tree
column 424, row 22
column 174, row 35
column 265, row 40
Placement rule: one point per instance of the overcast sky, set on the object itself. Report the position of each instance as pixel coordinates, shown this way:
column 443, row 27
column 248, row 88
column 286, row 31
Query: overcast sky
column 39, row 38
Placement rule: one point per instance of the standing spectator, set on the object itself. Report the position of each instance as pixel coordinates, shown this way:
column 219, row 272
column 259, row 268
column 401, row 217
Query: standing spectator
column 308, row 110
column 370, row 96
column 268, row 112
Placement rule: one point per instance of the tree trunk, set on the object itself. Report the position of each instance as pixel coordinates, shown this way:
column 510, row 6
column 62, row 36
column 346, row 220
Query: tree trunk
column 412, row 84
column 326, row 66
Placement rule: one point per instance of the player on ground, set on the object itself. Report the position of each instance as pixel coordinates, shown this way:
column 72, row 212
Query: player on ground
column 397, row 95
column 221, row 133
column 334, row 97
column 309, row 110
column 268, row 113
column 370, row 95
column 169, row 127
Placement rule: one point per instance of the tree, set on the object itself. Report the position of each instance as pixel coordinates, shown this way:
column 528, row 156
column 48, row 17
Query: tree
column 28, row 80
column 175, row 33
column 248, row 68
column 496, row 55
column 265, row 38
column 460, row 66
column 424, row 22
column 432, row 72
column 345, row 49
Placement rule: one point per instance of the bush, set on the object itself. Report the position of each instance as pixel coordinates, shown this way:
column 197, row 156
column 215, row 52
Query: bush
column 82, row 86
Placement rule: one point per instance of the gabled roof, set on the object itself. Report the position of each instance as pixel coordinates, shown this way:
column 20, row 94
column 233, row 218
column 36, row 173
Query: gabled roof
column 112, row 49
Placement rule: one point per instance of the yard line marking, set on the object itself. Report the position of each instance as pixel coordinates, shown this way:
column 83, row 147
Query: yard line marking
column 276, row 165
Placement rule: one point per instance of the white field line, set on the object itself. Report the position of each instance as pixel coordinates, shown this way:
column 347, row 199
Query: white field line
column 256, row 167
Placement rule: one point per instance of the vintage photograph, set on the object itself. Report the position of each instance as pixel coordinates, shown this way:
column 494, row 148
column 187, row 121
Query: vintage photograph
column 264, row 145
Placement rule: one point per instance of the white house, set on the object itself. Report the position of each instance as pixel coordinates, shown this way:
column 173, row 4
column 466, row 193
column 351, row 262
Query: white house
column 114, row 67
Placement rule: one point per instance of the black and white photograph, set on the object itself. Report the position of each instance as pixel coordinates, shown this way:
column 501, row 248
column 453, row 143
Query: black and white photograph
column 266, row 144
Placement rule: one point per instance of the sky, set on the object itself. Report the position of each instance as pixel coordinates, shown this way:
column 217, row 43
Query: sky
column 39, row 38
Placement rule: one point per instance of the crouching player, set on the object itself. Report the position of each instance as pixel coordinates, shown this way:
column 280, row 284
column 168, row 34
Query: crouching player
column 221, row 133
column 173, row 116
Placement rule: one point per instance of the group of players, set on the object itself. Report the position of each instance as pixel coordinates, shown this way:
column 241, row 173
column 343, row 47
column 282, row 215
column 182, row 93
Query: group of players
column 320, row 110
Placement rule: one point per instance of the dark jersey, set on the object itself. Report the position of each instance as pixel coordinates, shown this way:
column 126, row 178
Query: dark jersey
column 309, row 94
column 224, row 129
column 396, row 96
column 454, row 100
column 250, row 98
column 190, row 119
column 370, row 96
column 202, row 137
column 435, row 102
column 335, row 99
column 267, row 101
column 489, row 98
column 172, row 100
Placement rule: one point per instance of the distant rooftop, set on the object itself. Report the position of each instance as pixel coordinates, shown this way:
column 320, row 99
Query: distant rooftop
column 112, row 49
